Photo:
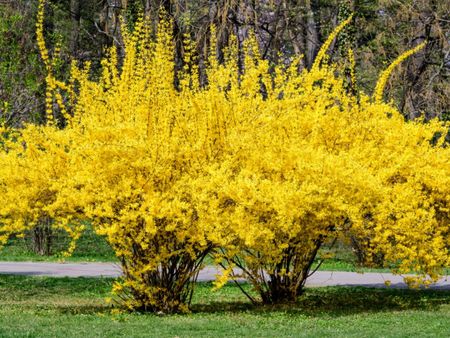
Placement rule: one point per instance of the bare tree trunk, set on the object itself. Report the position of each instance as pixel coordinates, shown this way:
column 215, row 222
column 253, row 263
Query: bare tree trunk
column 312, row 34
column 297, row 40
column 75, row 16
column 146, row 4
column 110, row 21
column 410, row 102
column 41, row 238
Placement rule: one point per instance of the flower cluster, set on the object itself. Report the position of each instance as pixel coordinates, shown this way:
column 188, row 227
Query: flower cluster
column 259, row 167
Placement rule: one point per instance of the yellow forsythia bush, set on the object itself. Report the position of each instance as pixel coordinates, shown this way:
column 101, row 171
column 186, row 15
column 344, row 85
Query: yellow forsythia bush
column 260, row 167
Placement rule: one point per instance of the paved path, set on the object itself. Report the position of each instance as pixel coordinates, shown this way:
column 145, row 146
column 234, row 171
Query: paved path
column 320, row 278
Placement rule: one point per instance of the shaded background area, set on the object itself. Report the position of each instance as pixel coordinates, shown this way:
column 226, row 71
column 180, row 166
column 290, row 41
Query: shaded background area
column 285, row 29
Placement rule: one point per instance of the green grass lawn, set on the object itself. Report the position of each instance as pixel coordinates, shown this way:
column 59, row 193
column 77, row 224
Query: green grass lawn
column 90, row 248
column 63, row 307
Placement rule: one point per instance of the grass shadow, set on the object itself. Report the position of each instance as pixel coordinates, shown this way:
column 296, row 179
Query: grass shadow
column 353, row 300
column 334, row 301
column 87, row 296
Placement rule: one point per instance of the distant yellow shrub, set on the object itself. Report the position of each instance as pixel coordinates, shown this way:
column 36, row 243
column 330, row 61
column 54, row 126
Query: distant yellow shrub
column 259, row 166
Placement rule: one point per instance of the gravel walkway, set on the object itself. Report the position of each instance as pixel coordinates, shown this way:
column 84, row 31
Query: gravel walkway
column 320, row 278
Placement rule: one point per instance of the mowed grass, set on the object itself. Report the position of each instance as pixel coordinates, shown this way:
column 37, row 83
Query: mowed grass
column 62, row 307
column 90, row 248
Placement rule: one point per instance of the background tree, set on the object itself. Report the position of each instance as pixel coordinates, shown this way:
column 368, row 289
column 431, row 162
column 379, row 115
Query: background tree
column 284, row 29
